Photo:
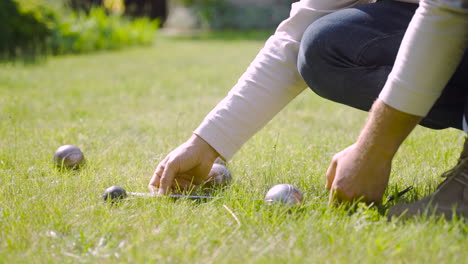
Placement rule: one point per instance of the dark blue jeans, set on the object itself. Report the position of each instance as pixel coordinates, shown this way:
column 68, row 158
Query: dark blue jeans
column 346, row 57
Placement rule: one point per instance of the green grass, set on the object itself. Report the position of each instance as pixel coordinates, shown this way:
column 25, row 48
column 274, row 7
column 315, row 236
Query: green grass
column 126, row 110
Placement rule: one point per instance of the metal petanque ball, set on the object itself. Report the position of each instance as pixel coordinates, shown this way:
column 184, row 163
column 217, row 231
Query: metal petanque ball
column 220, row 161
column 219, row 175
column 114, row 193
column 68, row 156
column 284, row 194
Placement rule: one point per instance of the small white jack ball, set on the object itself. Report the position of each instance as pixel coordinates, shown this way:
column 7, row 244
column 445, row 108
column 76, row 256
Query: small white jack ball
column 284, row 194
column 69, row 157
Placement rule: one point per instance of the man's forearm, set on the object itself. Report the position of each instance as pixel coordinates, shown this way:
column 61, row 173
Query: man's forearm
column 361, row 171
column 385, row 130
column 269, row 83
column 431, row 49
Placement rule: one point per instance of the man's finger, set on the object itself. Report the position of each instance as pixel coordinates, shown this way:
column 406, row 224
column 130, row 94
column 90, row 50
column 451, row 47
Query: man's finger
column 331, row 171
column 167, row 178
column 154, row 182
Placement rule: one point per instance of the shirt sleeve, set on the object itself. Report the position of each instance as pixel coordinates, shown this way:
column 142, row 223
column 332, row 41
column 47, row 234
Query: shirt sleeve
column 269, row 83
column 430, row 52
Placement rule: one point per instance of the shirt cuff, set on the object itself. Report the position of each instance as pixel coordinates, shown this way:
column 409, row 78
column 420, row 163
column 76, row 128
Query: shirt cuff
column 401, row 96
column 215, row 137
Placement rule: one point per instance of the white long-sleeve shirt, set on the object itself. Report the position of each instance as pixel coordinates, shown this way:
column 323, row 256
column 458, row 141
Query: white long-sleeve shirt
column 431, row 50
column 269, row 83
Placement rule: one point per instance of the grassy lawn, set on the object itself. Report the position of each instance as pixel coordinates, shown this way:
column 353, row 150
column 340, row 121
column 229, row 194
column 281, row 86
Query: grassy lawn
column 126, row 110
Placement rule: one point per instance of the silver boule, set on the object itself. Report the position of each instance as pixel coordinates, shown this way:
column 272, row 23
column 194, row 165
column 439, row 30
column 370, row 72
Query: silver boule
column 114, row 193
column 68, row 156
column 285, row 194
column 219, row 175
column 219, row 160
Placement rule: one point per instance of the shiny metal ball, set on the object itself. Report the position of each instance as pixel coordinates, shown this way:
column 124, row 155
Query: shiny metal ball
column 69, row 157
column 114, row 193
column 219, row 160
column 219, row 175
column 285, row 194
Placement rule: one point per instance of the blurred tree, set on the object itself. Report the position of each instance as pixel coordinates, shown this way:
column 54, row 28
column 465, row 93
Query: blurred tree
column 84, row 4
column 23, row 32
column 154, row 9
column 114, row 6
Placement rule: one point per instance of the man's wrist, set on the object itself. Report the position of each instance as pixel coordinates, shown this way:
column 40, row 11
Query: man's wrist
column 209, row 152
column 385, row 130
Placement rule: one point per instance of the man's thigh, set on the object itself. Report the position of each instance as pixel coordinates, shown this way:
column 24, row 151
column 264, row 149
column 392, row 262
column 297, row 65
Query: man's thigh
column 346, row 57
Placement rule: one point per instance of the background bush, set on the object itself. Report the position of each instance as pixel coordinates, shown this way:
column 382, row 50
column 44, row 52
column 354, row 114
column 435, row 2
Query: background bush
column 77, row 33
column 32, row 27
column 24, row 28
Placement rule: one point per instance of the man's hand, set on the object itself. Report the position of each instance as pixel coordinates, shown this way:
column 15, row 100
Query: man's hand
column 361, row 171
column 356, row 175
column 184, row 168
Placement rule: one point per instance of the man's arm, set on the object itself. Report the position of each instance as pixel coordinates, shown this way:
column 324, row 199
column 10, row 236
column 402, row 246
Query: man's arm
column 268, row 85
column 430, row 52
column 362, row 170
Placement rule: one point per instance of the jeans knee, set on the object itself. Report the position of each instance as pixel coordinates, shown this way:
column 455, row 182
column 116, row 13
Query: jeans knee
column 316, row 57
column 311, row 48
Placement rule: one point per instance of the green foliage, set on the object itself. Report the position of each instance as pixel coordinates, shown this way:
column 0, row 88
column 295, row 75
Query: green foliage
column 212, row 13
column 97, row 30
column 24, row 28
column 32, row 27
